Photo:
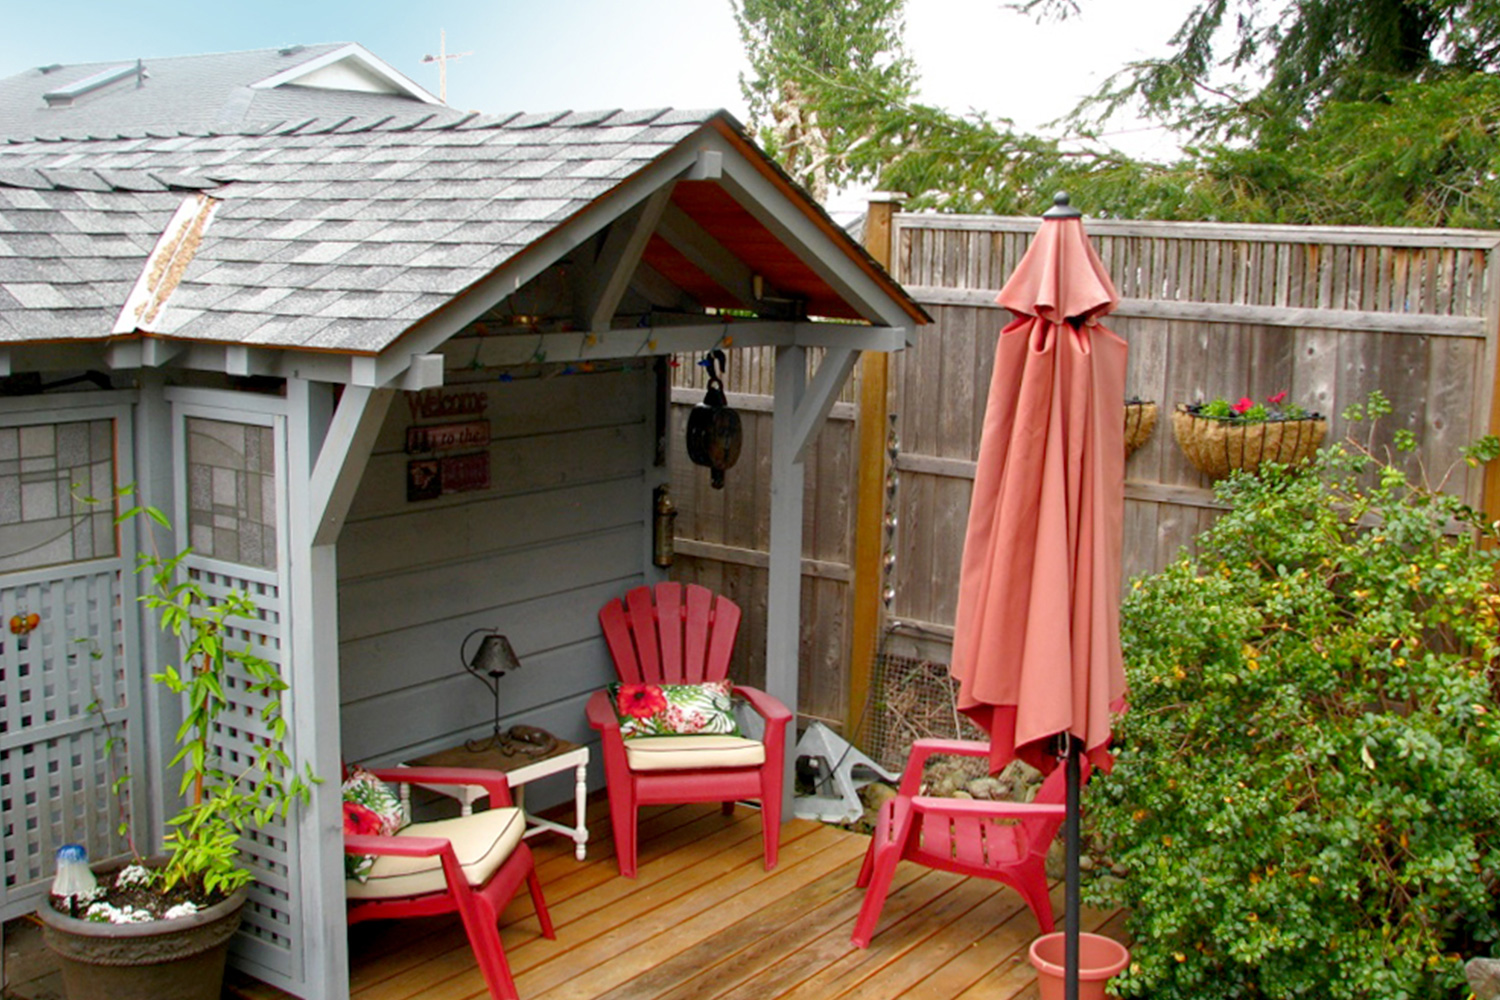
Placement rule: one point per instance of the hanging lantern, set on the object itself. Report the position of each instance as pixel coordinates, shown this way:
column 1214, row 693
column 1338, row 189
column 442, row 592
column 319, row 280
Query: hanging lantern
column 713, row 429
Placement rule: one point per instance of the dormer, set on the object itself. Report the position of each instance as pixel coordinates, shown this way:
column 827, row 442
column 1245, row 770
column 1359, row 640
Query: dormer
column 351, row 67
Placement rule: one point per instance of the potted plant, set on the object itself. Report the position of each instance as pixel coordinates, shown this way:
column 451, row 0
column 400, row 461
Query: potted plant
column 160, row 927
column 1220, row 436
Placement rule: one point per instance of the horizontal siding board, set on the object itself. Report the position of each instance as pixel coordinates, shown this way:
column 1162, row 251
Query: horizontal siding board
column 490, row 524
column 563, row 527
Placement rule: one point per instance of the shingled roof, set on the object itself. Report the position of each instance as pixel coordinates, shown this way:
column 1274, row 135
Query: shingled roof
column 333, row 235
column 221, row 91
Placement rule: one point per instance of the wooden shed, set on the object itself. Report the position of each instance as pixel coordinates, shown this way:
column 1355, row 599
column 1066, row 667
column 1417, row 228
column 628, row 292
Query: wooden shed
column 399, row 377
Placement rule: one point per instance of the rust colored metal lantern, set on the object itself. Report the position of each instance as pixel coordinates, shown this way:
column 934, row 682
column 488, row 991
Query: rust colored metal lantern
column 713, row 428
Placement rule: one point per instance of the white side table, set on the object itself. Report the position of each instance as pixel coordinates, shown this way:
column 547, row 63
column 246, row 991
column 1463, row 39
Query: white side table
column 519, row 769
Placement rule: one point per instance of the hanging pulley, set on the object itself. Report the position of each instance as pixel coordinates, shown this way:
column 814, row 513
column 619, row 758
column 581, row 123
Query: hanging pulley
column 713, row 429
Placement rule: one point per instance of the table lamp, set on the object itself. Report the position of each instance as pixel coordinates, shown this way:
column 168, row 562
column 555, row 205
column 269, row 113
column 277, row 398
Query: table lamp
column 492, row 659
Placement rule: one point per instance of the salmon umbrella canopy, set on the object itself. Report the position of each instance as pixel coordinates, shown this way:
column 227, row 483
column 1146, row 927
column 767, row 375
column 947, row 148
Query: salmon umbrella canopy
column 1036, row 643
column 1036, row 646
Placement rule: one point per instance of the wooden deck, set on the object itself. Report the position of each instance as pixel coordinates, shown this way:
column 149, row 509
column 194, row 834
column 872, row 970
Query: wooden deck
column 705, row 920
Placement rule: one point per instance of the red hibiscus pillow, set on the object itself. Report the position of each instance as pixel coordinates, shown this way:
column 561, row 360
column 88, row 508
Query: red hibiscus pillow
column 370, row 807
column 674, row 709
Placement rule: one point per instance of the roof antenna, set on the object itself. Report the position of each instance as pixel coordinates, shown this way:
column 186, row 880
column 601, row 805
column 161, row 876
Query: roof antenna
column 140, row 74
column 442, row 60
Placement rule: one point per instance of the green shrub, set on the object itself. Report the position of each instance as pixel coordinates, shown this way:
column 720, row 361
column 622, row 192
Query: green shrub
column 1307, row 789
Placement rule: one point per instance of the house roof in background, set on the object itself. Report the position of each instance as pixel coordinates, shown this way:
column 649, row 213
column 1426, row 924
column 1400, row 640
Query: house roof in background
column 216, row 92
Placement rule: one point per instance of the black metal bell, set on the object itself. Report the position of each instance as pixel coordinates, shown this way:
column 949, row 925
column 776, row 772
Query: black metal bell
column 713, row 428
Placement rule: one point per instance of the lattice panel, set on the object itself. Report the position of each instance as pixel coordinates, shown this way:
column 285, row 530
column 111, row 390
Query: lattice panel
column 268, row 930
column 55, row 775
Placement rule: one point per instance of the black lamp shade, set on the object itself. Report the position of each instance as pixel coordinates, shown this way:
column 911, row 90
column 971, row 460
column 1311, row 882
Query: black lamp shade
column 494, row 657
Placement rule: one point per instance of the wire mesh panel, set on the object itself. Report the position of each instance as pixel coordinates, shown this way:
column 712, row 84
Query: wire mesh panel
column 912, row 699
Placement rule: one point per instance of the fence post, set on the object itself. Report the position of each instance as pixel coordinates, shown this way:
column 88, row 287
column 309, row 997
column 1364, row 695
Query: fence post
column 874, row 386
column 1491, row 386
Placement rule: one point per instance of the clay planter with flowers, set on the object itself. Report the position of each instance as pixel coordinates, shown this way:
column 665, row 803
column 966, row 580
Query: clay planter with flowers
column 1220, row 436
column 159, row 928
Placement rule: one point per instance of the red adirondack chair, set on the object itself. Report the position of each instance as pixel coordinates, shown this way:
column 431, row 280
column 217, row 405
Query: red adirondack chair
column 1004, row 841
column 471, row 864
column 676, row 634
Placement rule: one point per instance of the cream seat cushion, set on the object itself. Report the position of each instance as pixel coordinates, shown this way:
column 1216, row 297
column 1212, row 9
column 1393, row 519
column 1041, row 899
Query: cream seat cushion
column 482, row 842
column 686, row 753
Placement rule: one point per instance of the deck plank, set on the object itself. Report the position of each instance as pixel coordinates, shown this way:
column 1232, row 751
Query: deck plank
column 704, row 921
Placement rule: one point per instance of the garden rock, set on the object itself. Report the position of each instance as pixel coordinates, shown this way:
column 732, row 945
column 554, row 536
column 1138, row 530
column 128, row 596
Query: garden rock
column 1483, row 975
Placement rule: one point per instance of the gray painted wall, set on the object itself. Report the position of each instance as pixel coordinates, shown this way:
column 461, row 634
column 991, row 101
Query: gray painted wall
column 563, row 527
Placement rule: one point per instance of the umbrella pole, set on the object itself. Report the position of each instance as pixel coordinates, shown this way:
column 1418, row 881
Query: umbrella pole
column 1070, row 925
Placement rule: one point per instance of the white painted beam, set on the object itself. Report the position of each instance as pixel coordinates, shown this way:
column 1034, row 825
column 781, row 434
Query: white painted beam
column 123, row 355
column 509, row 350
column 365, row 370
column 708, row 167
column 617, row 260
column 425, row 372
column 156, row 352
column 237, row 360
column 650, row 285
column 693, row 242
column 341, row 460
column 812, row 409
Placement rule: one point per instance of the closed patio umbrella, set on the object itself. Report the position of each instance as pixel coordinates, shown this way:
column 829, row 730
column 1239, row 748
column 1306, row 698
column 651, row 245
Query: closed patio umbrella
column 1036, row 646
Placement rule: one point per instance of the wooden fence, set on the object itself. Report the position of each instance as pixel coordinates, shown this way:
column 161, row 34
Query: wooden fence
column 1326, row 314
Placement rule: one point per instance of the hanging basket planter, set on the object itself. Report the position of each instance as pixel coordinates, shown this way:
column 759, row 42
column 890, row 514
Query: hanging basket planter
column 1217, row 446
column 1140, row 421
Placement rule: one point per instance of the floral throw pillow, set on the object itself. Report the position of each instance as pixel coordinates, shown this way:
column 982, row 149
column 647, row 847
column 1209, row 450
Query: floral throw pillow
column 674, row 709
column 370, row 807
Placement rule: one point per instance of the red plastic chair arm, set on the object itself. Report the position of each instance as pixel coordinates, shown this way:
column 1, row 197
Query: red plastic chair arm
column 768, row 708
column 600, row 712
column 493, row 782
column 395, row 847
column 985, row 809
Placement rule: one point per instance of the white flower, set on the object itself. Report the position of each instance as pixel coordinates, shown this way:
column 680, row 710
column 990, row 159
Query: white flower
column 181, row 910
column 133, row 875
column 108, row 913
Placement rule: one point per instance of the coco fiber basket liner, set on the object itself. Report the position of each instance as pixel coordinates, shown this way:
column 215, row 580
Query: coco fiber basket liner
column 1217, row 446
column 1140, row 421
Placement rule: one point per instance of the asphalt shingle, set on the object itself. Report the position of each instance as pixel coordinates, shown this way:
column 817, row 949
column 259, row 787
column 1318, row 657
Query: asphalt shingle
column 333, row 234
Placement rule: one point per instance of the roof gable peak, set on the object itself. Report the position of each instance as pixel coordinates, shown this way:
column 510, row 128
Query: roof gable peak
column 351, row 67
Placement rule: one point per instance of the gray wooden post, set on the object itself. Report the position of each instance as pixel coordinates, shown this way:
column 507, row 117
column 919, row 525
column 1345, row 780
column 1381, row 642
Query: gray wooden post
column 314, row 703
column 784, row 576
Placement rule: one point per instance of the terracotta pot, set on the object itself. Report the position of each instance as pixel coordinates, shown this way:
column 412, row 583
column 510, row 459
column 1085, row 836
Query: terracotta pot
column 180, row 959
column 1217, row 446
column 1099, row 958
column 1140, row 421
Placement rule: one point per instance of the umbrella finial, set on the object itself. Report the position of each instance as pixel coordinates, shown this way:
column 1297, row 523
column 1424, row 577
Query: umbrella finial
column 1061, row 209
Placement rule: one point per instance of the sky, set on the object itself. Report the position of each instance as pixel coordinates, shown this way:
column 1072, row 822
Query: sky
column 548, row 55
